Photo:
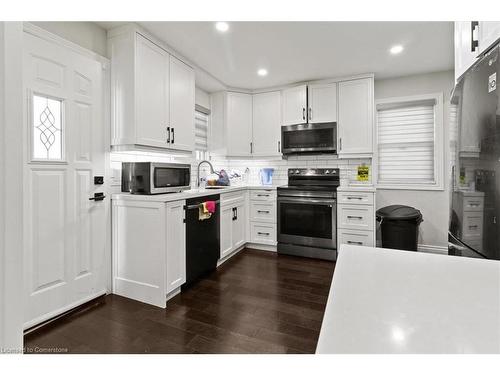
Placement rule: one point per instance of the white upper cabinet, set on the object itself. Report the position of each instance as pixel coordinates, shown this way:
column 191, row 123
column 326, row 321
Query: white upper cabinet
column 231, row 126
column 239, row 124
column 355, row 118
column 294, row 105
column 152, row 94
column 267, row 124
column 466, row 46
column 472, row 38
column 182, row 103
column 322, row 103
column 489, row 33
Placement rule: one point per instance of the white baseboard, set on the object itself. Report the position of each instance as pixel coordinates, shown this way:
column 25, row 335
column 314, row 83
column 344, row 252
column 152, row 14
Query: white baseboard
column 433, row 249
column 221, row 261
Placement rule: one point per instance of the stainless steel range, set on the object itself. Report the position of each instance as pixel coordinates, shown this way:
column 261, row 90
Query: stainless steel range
column 307, row 213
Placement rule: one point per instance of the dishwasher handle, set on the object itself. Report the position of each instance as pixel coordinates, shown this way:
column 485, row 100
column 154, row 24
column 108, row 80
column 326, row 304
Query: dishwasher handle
column 194, row 206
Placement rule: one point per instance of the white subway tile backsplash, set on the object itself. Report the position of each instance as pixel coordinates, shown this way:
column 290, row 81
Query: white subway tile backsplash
column 348, row 167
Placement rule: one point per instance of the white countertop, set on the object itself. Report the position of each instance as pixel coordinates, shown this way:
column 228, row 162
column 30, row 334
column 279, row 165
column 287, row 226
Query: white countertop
column 187, row 194
column 391, row 301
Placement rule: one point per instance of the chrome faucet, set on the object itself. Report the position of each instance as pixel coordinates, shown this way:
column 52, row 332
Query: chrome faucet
column 199, row 165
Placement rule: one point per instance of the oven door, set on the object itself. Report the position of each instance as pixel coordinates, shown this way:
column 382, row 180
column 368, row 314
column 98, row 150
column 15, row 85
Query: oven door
column 166, row 178
column 305, row 138
column 307, row 221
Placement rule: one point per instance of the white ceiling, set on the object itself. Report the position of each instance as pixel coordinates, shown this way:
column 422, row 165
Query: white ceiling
column 302, row 51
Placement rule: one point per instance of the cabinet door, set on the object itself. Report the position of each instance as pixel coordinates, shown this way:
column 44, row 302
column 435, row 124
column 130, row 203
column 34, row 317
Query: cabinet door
column 355, row 124
column 294, row 105
column 226, row 231
column 176, row 245
column 267, row 124
column 239, row 124
column 489, row 32
column 239, row 226
column 181, row 105
column 152, row 102
column 465, row 56
column 322, row 103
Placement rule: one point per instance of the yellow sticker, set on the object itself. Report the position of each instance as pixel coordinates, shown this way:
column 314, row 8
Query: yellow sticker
column 363, row 172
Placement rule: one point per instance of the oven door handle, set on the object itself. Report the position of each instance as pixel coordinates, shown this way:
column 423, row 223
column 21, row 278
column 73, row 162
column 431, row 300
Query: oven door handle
column 330, row 202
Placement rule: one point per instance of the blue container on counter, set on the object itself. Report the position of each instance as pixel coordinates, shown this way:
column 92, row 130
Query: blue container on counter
column 266, row 176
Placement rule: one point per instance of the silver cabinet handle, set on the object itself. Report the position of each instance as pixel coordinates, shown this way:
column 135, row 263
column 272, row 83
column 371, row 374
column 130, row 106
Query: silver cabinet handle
column 303, row 113
column 251, row 147
column 358, row 198
column 262, row 212
column 173, row 135
column 472, row 226
column 355, row 217
column 310, row 113
column 340, row 143
column 168, row 134
column 263, row 233
column 279, row 146
column 355, row 242
column 262, row 195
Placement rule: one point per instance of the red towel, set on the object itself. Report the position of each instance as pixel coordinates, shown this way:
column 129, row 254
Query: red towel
column 210, row 205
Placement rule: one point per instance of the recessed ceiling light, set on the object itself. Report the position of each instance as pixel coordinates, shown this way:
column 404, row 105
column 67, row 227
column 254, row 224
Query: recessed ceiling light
column 262, row 72
column 396, row 49
column 222, row 26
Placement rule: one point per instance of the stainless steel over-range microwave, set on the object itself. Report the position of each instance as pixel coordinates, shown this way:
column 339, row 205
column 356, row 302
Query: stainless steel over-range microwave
column 155, row 178
column 309, row 138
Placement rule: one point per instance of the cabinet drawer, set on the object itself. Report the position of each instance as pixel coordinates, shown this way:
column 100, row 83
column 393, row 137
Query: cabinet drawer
column 473, row 224
column 261, row 211
column 473, row 203
column 355, row 198
column 355, row 217
column 263, row 195
column 231, row 198
column 352, row 237
column 263, row 233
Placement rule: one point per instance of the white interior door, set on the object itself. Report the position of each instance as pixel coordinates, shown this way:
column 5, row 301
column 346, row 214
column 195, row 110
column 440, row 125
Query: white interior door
column 65, row 232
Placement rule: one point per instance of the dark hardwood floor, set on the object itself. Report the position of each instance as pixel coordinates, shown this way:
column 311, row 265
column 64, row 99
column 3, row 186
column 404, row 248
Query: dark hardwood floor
column 257, row 302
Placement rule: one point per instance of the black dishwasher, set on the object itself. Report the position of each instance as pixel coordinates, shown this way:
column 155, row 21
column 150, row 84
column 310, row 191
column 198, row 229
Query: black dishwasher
column 202, row 239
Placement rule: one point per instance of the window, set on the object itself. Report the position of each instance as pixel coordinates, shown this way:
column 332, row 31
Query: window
column 410, row 142
column 47, row 128
column 202, row 116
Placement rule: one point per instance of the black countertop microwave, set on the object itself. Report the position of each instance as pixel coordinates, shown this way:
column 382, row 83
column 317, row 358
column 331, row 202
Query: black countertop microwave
column 155, row 178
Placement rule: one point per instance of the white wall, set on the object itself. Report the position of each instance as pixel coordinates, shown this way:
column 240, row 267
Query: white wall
column 202, row 98
column 2, row 181
column 434, row 205
column 86, row 34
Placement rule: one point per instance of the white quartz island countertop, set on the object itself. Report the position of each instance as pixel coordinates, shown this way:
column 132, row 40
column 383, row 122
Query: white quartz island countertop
column 391, row 301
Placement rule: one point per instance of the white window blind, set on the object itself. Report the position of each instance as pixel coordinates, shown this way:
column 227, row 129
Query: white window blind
column 201, row 134
column 406, row 143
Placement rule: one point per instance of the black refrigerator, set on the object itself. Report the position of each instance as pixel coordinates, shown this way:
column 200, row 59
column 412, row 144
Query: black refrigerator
column 475, row 161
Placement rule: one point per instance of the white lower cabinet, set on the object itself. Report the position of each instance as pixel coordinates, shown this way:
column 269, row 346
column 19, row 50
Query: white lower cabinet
column 355, row 217
column 176, row 245
column 149, row 252
column 263, row 217
column 233, row 222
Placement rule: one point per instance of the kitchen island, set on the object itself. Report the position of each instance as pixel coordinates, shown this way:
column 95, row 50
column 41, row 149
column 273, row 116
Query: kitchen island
column 392, row 301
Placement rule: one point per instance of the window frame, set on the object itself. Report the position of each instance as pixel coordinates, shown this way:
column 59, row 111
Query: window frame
column 438, row 184
column 31, row 118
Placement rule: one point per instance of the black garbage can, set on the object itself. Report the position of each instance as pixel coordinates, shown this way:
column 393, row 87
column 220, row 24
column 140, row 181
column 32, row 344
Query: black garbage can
column 399, row 226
